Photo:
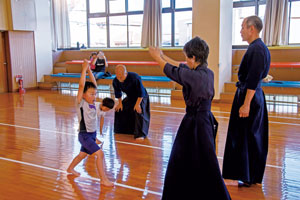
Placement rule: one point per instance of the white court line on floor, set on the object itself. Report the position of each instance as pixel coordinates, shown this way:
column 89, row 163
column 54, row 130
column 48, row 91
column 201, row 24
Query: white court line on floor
column 92, row 178
column 214, row 111
column 222, row 117
column 121, row 142
column 225, row 112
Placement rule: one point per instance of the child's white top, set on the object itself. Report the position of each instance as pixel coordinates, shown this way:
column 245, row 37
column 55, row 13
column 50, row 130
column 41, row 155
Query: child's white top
column 87, row 115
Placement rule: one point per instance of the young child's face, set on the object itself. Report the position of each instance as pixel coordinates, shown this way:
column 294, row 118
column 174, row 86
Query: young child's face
column 104, row 108
column 90, row 95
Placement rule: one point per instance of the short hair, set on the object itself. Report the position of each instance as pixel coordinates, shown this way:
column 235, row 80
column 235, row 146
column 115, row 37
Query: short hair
column 93, row 54
column 198, row 48
column 120, row 66
column 108, row 102
column 88, row 85
column 254, row 21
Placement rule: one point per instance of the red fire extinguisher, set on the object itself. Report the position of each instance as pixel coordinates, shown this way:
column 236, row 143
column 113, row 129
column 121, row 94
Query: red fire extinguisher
column 19, row 79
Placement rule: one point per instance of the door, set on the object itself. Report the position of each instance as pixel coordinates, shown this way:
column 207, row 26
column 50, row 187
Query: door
column 3, row 66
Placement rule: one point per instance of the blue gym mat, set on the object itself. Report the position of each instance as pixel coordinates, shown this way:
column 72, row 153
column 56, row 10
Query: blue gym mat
column 294, row 84
column 144, row 78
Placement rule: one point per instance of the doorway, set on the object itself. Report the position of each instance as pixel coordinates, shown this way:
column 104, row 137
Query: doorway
column 3, row 65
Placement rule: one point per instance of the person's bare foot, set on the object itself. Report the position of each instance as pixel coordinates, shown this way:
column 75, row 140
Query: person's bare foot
column 72, row 171
column 107, row 183
column 140, row 138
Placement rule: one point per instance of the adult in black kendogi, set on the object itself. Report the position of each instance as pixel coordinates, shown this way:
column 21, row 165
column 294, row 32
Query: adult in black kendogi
column 247, row 138
column 132, row 114
column 193, row 170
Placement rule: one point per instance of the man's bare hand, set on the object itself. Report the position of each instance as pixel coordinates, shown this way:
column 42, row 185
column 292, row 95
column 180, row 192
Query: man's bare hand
column 119, row 107
column 244, row 111
column 137, row 108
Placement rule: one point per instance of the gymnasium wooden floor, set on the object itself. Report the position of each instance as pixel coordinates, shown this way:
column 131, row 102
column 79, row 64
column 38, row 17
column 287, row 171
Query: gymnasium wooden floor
column 38, row 140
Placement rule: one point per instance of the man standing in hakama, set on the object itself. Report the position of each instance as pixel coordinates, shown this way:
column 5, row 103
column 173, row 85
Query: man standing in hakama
column 247, row 139
column 132, row 114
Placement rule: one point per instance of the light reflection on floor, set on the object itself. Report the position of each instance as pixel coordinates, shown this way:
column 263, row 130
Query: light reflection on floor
column 57, row 150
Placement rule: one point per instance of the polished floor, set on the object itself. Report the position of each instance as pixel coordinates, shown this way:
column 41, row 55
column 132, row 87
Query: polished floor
column 38, row 140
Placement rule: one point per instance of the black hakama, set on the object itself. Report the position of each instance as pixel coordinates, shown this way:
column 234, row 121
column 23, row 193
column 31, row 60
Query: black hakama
column 193, row 171
column 128, row 121
column 247, row 138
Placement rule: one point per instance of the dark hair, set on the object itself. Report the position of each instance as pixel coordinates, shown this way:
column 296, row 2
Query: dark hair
column 198, row 48
column 88, row 85
column 93, row 54
column 255, row 21
column 108, row 102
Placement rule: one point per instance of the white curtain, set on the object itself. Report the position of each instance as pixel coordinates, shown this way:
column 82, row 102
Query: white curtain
column 151, row 31
column 276, row 23
column 60, row 25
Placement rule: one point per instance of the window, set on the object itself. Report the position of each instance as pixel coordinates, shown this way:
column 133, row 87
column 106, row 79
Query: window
column 106, row 23
column 294, row 22
column 118, row 23
column 134, row 30
column 118, row 31
column 78, row 22
column 116, row 6
column 97, row 6
column 244, row 8
column 238, row 15
column 241, row 10
column 176, row 22
column 98, row 29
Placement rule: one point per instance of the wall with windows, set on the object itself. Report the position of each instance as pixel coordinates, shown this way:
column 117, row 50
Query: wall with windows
column 244, row 8
column 176, row 22
column 118, row 23
column 104, row 23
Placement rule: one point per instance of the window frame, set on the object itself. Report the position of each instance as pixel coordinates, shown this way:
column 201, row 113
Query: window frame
column 172, row 10
column 106, row 14
column 290, row 7
column 239, row 4
column 257, row 3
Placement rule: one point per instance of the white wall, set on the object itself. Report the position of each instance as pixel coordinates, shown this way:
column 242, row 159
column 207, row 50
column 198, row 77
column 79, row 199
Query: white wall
column 42, row 34
column 225, row 49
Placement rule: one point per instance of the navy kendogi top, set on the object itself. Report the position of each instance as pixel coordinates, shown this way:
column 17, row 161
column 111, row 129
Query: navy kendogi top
column 132, row 86
column 198, row 84
column 255, row 65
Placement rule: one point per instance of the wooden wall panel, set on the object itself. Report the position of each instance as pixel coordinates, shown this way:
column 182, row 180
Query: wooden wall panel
column 21, row 59
column 3, row 15
column 124, row 55
column 3, row 65
column 277, row 55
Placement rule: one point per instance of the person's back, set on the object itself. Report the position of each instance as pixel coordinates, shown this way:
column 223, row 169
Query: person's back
column 198, row 84
column 193, row 158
